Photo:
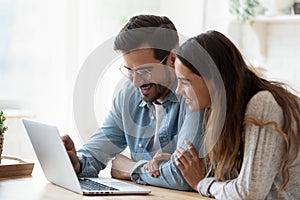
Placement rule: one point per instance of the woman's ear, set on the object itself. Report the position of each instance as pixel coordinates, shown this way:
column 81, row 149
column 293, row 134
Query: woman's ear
column 172, row 58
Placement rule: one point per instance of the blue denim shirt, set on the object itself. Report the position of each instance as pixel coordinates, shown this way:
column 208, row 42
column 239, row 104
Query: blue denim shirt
column 131, row 122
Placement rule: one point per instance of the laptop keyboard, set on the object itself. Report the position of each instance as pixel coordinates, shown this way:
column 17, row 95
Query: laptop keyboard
column 92, row 185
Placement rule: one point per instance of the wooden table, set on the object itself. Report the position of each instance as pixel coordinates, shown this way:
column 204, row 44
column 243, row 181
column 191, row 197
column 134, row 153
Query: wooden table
column 36, row 187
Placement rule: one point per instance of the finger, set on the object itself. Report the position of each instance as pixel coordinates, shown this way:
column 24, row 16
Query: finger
column 74, row 160
column 151, row 168
column 179, row 165
column 68, row 143
column 156, row 173
column 181, row 156
column 72, row 156
column 180, row 150
column 155, row 167
column 184, row 153
column 66, row 138
column 153, row 174
column 191, row 148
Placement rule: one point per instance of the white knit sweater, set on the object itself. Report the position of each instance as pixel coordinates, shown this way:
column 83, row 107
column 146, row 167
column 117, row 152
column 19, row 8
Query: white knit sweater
column 264, row 148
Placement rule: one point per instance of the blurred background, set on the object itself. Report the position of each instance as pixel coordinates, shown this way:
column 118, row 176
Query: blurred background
column 43, row 45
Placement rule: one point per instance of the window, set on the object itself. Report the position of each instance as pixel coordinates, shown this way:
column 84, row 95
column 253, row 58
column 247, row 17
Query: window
column 45, row 43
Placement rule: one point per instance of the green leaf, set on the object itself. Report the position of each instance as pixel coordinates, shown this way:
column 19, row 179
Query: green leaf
column 2, row 119
column 244, row 10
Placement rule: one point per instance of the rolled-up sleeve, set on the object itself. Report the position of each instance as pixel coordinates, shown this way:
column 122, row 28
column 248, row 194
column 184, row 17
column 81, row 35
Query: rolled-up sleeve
column 170, row 175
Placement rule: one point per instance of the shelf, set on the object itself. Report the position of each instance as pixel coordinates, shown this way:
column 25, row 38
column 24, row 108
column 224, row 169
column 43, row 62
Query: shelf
column 17, row 113
column 278, row 19
column 261, row 27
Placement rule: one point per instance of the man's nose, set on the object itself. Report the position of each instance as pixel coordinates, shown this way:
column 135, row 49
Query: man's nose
column 137, row 80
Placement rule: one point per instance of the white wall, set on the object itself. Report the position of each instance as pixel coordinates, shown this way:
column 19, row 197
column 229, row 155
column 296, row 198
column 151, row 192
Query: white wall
column 273, row 46
column 284, row 53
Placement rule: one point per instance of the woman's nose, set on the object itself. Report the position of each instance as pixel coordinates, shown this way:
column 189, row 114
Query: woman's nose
column 178, row 89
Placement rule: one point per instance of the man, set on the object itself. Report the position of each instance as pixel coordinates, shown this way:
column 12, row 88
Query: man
column 146, row 115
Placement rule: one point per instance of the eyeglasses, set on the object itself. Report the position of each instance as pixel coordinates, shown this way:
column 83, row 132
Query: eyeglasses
column 143, row 72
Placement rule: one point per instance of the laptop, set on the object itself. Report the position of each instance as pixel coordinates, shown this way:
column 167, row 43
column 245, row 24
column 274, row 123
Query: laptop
column 58, row 169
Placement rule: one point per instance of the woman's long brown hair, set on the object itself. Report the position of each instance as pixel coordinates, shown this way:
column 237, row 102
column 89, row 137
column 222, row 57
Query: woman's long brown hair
column 241, row 84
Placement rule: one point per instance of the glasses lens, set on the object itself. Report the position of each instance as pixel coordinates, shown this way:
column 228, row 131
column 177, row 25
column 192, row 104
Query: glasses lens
column 126, row 72
column 144, row 73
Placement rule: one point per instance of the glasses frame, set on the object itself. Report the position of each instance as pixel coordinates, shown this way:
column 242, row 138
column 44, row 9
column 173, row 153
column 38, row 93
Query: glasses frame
column 143, row 72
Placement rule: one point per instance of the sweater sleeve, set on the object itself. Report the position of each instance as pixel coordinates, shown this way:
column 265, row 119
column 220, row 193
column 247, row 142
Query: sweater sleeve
column 263, row 152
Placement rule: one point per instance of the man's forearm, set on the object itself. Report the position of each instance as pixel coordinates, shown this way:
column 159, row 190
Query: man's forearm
column 121, row 167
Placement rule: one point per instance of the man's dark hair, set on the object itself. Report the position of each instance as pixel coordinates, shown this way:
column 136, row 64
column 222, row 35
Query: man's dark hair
column 157, row 32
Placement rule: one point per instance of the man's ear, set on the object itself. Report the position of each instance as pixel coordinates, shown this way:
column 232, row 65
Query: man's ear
column 172, row 58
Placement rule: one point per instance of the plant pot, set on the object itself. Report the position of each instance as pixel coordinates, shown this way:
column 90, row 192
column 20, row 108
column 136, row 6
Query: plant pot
column 276, row 7
column 1, row 146
column 297, row 8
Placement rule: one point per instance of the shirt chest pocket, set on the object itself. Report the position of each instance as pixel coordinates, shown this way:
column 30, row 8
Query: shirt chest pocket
column 139, row 151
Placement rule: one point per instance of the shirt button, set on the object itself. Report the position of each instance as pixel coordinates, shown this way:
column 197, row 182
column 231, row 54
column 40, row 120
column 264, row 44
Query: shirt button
column 140, row 145
column 164, row 139
column 152, row 117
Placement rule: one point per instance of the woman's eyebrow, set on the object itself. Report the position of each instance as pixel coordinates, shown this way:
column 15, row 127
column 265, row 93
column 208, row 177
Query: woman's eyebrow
column 183, row 79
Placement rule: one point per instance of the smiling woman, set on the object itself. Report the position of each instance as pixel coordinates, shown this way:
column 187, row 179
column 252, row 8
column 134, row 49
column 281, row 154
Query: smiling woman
column 257, row 148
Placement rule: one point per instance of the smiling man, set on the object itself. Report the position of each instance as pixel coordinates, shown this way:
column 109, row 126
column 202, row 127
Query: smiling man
column 147, row 116
column 147, row 75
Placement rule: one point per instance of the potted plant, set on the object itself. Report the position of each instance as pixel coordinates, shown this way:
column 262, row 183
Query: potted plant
column 244, row 10
column 3, row 128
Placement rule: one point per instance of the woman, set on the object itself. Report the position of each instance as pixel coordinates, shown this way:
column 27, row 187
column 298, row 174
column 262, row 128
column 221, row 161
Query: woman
column 254, row 152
